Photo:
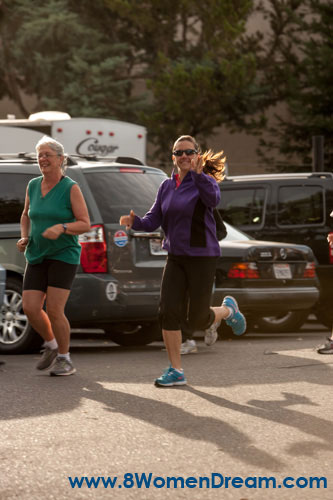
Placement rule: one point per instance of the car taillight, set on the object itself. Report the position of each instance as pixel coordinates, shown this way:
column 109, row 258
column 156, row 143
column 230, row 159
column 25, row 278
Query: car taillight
column 93, row 253
column 330, row 252
column 310, row 270
column 248, row 270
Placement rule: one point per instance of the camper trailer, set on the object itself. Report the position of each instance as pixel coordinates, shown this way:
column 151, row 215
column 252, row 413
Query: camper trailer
column 79, row 136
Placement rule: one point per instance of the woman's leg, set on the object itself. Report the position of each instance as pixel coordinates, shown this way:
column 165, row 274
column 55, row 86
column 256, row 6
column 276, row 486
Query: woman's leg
column 172, row 340
column 200, row 273
column 221, row 312
column 173, row 296
column 56, row 299
column 201, row 276
column 32, row 302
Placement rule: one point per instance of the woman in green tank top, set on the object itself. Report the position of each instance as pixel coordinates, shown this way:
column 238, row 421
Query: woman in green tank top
column 54, row 214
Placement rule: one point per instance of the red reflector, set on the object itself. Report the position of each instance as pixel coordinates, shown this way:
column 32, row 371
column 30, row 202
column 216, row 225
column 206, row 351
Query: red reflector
column 111, row 133
column 310, row 270
column 88, row 132
column 244, row 270
column 140, row 136
column 59, row 129
column 131, row 170
column 93, row 251
column 100, row 132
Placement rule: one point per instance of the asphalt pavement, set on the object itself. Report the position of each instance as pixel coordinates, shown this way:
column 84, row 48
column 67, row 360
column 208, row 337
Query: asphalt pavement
column 255, row 407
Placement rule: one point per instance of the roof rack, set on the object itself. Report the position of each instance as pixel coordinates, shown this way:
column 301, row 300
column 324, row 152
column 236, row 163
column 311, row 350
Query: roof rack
column 24, row 155
column 281, row 175
column 115, row 159
column 128, row 159
column 326, row 175
column 72, row 158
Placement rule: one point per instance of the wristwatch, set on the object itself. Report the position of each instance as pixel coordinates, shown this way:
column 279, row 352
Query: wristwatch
column 64, row 225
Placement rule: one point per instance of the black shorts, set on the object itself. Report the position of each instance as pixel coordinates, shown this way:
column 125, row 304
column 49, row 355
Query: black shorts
column 49, row 273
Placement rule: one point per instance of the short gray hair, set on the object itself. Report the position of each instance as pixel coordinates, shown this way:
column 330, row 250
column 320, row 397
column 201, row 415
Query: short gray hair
column 57, row 147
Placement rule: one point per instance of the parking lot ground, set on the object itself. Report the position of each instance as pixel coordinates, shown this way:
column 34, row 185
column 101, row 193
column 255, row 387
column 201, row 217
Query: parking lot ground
column 254, row 407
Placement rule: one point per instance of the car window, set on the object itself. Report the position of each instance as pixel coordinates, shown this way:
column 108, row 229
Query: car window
column 300, row 205
column 116, row 193
column 243, row 207
column 12, row 195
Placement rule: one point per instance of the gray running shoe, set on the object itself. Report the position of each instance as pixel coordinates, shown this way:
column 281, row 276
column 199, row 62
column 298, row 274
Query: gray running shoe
column 188, row 346
column 211, row 334
column 47, row 359
column 326, row 348
column 62, row 367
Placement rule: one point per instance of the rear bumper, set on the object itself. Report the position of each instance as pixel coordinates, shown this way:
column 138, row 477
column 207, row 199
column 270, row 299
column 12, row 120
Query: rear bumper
column 269, row 299
column 98, row 299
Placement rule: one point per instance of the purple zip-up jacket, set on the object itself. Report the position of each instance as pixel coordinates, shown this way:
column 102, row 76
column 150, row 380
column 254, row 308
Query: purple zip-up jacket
column 185, row 215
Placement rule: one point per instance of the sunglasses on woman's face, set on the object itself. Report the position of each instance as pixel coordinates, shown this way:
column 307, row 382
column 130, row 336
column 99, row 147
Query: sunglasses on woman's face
column 188, row 152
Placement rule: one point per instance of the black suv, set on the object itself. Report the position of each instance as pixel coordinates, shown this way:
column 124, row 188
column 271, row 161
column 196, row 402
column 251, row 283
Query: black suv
column 293, row 208
column 118, row 283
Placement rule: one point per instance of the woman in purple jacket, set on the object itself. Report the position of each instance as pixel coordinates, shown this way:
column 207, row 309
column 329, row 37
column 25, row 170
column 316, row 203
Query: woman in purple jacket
column 184, row 209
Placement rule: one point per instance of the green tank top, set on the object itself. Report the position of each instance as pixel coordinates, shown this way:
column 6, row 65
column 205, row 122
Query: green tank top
column 45, row 211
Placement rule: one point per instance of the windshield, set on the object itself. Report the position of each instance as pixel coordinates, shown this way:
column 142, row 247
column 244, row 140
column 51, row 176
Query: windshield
column 116, row 193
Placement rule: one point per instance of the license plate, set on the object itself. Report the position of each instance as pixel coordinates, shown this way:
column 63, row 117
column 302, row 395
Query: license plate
column 155, row 246
column 282, row 271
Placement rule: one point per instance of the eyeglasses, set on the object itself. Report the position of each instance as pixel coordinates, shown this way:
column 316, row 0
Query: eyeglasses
column 45, row 155
column 188, row 152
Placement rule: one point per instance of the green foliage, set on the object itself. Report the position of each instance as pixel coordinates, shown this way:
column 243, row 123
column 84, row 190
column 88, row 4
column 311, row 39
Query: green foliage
column 197, row 73
column 177, row 66
column 66, row 62
column 305, row 54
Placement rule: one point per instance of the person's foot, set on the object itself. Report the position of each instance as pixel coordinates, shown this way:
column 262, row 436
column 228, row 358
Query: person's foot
column 188, row 346
column 326, row 348
column 211, row 334
column 62, row 367
column 171, row 377
column 47, row 358
column 237, row 320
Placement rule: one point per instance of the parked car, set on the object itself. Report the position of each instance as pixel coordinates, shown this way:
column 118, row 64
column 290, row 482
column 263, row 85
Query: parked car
column 292, row 208
column 268, row 279
column 118, row 283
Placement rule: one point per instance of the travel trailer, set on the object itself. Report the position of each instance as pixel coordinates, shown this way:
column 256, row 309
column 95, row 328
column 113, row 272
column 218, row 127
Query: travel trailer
column 79, row 136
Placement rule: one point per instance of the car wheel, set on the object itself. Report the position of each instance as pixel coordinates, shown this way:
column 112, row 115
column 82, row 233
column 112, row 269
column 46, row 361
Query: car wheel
column 282, row 323
column 16, row 334
column 134, row 335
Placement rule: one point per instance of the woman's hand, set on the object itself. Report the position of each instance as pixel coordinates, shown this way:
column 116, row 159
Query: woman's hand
column 22, row 244
column 197, row 164
column 53, row 232
column 127, row 220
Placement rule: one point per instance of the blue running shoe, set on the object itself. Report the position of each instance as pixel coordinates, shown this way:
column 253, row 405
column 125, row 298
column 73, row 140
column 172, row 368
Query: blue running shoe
column 170, row 377
column 237, row 320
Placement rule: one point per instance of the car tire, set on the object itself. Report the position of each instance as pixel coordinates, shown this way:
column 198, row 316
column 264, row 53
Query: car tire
column 282, row 323
column 134, row 335
column 16, row 334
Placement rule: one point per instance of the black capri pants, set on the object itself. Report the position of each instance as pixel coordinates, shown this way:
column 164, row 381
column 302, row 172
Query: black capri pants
column 187, row 278
column 50, row 272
